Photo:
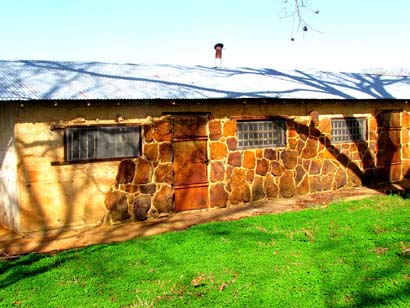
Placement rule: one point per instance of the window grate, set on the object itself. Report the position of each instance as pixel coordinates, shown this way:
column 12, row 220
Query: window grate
column 88, row 143
column 349, row 130
column 260, row 134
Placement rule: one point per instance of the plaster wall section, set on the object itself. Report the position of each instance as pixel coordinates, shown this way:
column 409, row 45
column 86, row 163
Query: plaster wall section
column 9, row 209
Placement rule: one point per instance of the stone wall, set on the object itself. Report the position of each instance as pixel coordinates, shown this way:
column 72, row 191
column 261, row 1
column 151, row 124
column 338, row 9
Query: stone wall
column 308, row 163
column 143, row 185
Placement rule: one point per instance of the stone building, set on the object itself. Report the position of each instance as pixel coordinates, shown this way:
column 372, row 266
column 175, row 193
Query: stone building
column 82, row 143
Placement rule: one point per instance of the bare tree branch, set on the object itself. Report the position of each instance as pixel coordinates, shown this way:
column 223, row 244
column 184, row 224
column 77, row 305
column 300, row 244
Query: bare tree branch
column 298, row 10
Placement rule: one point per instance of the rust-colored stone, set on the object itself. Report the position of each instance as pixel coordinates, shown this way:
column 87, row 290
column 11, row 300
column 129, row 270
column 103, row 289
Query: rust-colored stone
column 314, row 118
column 143, row 172
column 240, row 189
column 114, row 197
column 406, row 168
column 232, row 143
column 131, row 188
column 353, row 177
column 218, row 150
column 140, row 207
column 162, row 200
column 343, row 159
column 290, row 123
column 355, row 156
column 368, row 176
column 219, row 197
column 372, row 124
column 262, row 166
column 234, row 159
column 306, row 164
column 148, row 134
column 293, row 143
column 287, row 185
column 327, row 154
column 303, row 186
column 315, row 167
column 314, row 132
column 405, row 136
column 270, row 154
column 151, row 151
column 303, row 130
column 215, row 130
column 271, row 188
column 228, row 173
column 126, row 171
column 353, row 147
column 217, row 171
column 148, row 189
column 250, row 175
column 289, row 159
column 362, row 147
column 311, row 148
column 162, row 130
column 325, row 126
column 258, row 191
column 276, row 168
column 300, row 146
column 300, row 173
column 230, row 128
column 249, row 159
column 328, row 167
column 340, row 178
column 116, row 202
column 406, row 151
column 315, row 183
column 292, row 132
column 405, row 120
column 165, row 152
column 164, row 173
column 327, row 182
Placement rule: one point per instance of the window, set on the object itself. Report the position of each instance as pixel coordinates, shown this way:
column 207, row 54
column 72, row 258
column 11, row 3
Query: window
column 260, row 134
column 102, row 142
column 349, row 130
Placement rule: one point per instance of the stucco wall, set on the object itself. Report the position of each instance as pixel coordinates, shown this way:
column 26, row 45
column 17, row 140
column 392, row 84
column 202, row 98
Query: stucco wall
column 9, row 211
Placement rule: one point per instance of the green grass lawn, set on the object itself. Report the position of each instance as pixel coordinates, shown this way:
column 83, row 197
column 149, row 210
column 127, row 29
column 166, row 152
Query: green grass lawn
column 351, row 254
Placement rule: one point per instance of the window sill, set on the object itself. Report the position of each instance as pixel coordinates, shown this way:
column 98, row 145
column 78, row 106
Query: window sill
column 90, row 161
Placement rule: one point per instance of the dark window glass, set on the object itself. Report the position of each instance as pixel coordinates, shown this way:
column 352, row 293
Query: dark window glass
column 88, row 143
column 260, row 134
column 349, row 130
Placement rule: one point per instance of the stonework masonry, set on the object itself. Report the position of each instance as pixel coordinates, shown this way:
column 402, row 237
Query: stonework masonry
column 308, row 163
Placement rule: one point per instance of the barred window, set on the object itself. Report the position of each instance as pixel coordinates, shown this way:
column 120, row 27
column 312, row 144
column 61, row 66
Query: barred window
column 260, row 134
column 102, row 142
column 349, row 130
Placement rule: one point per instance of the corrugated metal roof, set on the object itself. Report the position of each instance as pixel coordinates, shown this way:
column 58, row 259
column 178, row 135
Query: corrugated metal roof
column 53, row 80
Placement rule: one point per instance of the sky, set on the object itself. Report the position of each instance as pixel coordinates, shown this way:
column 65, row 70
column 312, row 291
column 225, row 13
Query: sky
column 353, row 35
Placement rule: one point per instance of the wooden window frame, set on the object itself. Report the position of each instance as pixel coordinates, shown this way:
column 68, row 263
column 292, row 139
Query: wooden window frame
column 343, row 132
